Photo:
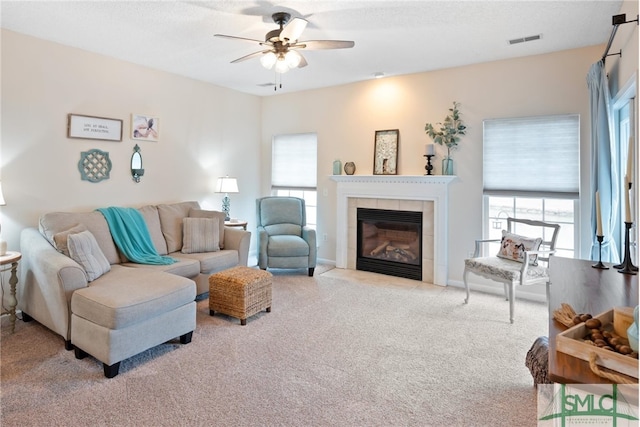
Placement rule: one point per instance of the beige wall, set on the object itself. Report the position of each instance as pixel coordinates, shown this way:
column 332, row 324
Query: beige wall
column 205, row 131
column 346, row 117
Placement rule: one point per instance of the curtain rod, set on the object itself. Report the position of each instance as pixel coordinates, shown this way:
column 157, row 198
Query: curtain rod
column 616, row 21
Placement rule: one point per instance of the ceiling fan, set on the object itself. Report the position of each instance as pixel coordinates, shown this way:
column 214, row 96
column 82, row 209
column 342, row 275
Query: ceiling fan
column 282, row 46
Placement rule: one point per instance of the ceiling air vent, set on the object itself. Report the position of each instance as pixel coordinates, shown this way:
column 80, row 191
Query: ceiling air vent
column 525, row 39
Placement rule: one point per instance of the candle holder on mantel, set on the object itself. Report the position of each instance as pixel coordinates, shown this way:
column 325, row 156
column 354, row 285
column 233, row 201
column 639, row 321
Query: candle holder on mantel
column 600, row 265
column 627, row 266
column 429, row 166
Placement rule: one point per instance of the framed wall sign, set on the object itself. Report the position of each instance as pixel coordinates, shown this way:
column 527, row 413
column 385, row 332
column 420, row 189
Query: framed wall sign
column 385, row 152
column 89, row 127
column 144, row 127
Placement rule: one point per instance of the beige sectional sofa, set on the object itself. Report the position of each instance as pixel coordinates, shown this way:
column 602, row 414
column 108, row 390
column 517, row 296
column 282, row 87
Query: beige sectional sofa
column 76, row 282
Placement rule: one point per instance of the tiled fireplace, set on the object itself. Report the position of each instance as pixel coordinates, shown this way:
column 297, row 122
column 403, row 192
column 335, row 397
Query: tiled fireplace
column 426, row 194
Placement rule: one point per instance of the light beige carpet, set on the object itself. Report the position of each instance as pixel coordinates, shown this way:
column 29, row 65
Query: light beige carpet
column 337, row 349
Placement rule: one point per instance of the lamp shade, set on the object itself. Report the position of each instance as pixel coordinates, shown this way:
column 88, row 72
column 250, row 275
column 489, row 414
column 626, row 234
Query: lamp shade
column 281, row 65
column 2, row 202
column 268, row 60
column 227, row 185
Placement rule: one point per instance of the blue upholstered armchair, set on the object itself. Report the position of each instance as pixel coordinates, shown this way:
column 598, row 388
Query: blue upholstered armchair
column 284, row 240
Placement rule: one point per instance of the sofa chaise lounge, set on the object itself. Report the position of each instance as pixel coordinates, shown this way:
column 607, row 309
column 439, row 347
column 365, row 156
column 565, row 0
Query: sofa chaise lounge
column 114, row 308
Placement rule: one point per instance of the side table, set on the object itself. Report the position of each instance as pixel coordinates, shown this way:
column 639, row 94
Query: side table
column 238, row 224
column 9, row 262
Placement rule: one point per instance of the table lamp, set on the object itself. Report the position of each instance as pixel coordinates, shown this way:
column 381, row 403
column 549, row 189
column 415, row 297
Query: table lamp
column 226, row 185
column 3, row 244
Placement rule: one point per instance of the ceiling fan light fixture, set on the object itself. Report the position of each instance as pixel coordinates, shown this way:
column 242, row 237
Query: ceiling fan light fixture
column 281, row 65
column 280, row 48
column 292, row 58
column 268, row 60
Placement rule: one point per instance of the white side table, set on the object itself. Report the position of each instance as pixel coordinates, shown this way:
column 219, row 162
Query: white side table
column 9, row 262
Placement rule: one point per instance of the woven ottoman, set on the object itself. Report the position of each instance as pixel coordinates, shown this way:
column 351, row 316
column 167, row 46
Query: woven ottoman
column 240, row 292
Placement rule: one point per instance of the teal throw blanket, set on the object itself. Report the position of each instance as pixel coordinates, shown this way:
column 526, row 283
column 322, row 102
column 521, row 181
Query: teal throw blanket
column 131, row 235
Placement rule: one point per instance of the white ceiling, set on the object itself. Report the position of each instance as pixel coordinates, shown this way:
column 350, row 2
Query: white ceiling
column 394, row 37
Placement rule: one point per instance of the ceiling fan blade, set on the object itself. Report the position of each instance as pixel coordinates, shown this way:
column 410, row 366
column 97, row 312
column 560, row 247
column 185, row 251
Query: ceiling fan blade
column 293, row 30
column 250, row 56
column 326, row 44
column 303, row 61
column 238, row 38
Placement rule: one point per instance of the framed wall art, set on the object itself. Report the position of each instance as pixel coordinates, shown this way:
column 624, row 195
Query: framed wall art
column 144, row 127
column 90, row 127
column 385, row 152
column 94, row 165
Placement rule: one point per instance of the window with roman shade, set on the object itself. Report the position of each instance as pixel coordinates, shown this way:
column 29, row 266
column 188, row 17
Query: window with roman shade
column 532, row 156
column 294, row 170
column 294, row 161
column 531, row 170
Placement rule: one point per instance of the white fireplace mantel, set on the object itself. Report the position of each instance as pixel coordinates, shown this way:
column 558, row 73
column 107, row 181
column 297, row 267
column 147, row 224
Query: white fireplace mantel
column 404, row 187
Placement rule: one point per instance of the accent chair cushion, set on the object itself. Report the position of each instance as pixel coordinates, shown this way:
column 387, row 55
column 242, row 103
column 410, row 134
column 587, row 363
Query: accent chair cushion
column 200, row 235
column 287, row 246
column 504, row 269
column 274, row 211
column 84, row 249
column 512, row 246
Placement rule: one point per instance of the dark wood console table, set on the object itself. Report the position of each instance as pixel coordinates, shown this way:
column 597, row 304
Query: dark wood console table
column 587, row 290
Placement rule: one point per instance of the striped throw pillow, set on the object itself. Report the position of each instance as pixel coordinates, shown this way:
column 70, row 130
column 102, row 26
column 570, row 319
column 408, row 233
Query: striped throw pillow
column 200, row 235
column 84, row 250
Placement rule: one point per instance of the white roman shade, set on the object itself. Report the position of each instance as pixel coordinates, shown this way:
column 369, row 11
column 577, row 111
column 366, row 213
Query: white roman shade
column 532, row 156
column 293, row 161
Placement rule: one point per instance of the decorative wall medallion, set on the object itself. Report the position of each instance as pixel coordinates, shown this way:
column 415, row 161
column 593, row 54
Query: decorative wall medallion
column 94, row 165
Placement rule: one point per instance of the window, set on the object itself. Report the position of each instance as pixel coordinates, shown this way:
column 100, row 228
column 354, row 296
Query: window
column 623, row 110
column 294, row 170
column 531, row 171
column 557, row 211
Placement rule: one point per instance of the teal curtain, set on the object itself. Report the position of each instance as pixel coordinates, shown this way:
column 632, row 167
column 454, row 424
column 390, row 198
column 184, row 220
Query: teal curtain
column 604, row 170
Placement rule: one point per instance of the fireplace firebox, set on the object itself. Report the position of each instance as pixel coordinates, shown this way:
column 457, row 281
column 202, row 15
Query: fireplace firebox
column 389, row 242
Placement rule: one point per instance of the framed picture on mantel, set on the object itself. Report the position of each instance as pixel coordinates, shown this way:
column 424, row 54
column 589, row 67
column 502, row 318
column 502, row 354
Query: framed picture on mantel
column 385, row 152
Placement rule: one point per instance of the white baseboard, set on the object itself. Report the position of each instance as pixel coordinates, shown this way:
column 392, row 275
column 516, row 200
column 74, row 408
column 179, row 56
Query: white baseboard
column 330, row 262
column 531, row 293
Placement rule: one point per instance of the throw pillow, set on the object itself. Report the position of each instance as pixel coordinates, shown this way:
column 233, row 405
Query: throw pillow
column 512, row 246
column 200, row 235
column 201, row 213
column 84, row 250
column 60, row 238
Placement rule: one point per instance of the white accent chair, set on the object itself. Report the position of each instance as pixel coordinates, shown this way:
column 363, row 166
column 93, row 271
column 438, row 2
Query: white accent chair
column 526, row 270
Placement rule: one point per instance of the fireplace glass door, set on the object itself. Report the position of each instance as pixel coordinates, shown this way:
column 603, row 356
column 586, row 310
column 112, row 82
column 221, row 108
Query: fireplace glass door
column 390, row 242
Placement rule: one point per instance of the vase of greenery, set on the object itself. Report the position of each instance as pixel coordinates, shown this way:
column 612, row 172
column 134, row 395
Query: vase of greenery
column 448, row 134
